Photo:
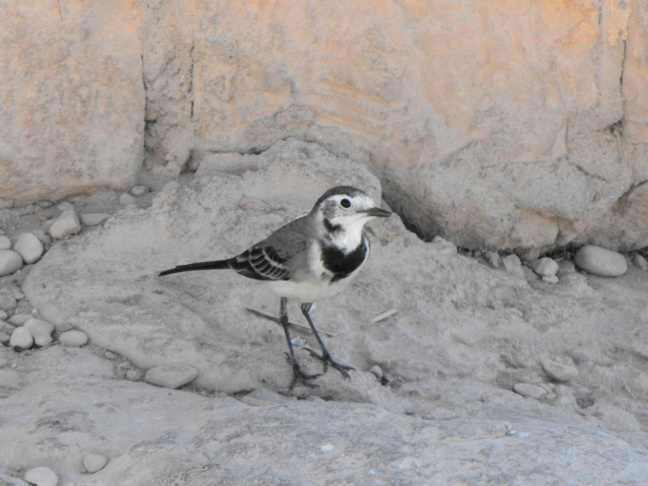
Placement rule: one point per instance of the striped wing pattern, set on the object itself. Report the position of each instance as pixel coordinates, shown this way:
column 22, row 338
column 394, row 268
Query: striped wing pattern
column 261, row 263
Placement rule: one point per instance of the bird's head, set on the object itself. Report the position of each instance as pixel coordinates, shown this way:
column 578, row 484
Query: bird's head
column 345, row 209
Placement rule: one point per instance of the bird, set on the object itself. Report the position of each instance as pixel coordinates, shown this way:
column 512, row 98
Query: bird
column 308, row 259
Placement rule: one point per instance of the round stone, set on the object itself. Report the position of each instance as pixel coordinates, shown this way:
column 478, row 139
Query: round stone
column 30, row 248
column 21, row 339
column 65, row 225
column 171, row 375
column 601, row 261
column 5, row 243
column 529, row 390
column 558, row 371
column 127, row 199
column 94, row 462
column 73, row 338
column 41, row 476
column 10, row 262
column 40, row 330
column 544, row 267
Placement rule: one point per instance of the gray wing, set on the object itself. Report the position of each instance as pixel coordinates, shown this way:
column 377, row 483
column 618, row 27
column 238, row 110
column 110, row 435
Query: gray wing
column 274, row 258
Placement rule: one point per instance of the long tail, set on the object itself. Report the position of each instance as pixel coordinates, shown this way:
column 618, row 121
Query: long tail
column 215, row 265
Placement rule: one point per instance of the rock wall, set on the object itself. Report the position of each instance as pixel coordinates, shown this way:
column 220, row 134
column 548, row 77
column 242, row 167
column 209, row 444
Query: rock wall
column 499, row 124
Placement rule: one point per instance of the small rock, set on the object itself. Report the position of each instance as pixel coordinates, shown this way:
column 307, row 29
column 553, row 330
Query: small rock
column 545, row 267
column 600, row 261
column 65, row 206
column 93, row 219
column 513, row 265
column 30, row 248
column 566, row 267
column 127, row 200
column 263, row 397
column 4, row 338
column 138, row 191
column 65, row 225
column 558, row 371
column 19, row 319
column 10, row 262
column 73, row 338
column 640, row 261
column 3, row 315
column 376, row 371
column 40, row 330
column 529, row 390
column 41, row 476
column 493, row 258
column 5, row 243
column 171, row 375
column 21, row 339
column 133, row 375
column 93, row 463
column 552, row 280
column 530, row 255
column 6, row 327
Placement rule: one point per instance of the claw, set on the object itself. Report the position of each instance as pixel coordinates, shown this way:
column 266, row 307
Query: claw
column 327, row 359
column 301, row 376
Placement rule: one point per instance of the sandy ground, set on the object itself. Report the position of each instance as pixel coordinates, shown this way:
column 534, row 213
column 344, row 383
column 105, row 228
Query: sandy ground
column 463, row 336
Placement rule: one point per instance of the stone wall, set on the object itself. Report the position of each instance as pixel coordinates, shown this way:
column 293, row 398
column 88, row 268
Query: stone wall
column 508, row 124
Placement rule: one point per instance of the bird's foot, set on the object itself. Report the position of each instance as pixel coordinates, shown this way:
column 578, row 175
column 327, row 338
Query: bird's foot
column 300, row 376
column 327, row 359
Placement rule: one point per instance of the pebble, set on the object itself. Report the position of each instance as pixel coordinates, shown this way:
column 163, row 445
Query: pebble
column 40, row 330
column 127, row 200
column 5, row 243
column 93, row 219
column 530, row 255
column 21, row 339
column 513, row 265
column 263, row 397
column 6, row 327
column 376, row 371
column 93, row 463
column 65, row 225
column 41, row 476
column 138, row 191
column 529, row 390
column 640, row 261
column 545, row 267
column 171, row 375
column 73, row 338
column 19, row 319
column 600, row 261
column 133, row 375
column 3, row 315
column 30, row 248
column 493, row 258
column 558, row 371
column 4, row 338
column 552, row 280
column 10, row 262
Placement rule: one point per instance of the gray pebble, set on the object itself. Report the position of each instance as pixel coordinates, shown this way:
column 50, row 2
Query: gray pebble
column 171, row 375
column 40, row 330
column 544, row 267
column 127, row 199
column 376, row 371
column 10, row 262
column 41, row 476
column 73, row 338
column 558, row 371
column 110, row 355
column 65, row 225
column 93, row 463
column 19, row 319
column 133, row 375
column 4, row 338
column 21, row 339
column 30, row 248
column 93, row 219
column 5, row 243
column 3, row 315
column 513, row 265
column 138, row 191
column 640, row 261
column 600, row 261
column 529, row 390
column 552, row 280
column 6, row 327
column 530, row 255
column 493, row 258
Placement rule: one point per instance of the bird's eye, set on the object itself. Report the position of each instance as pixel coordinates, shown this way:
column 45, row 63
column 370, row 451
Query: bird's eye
column 345, row 203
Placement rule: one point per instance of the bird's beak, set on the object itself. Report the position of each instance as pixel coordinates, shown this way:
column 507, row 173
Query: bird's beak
column 377, row 213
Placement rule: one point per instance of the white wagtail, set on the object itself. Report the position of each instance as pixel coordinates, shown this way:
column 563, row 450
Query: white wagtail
column 310, row 258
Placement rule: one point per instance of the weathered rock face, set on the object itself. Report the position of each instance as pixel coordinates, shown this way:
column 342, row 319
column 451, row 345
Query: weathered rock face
column 71, row 97
column 502, row 125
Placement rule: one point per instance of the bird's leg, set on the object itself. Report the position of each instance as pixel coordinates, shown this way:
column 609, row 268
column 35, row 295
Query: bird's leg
column 298, row 374
column 325, row 356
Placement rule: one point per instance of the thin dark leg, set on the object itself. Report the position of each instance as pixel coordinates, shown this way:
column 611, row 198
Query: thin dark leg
column 325, row 356
column 298, row 374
